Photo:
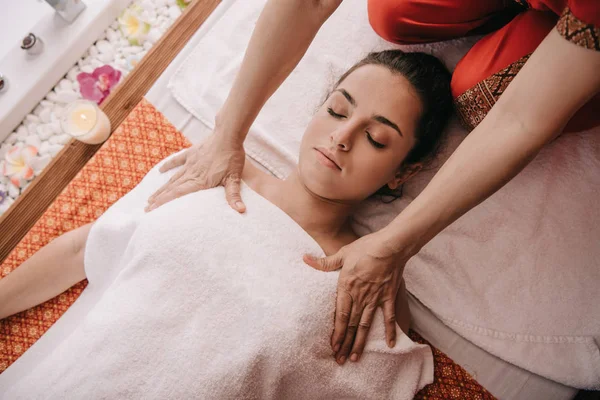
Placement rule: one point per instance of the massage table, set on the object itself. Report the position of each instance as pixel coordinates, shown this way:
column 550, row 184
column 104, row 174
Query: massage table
column 462, row 370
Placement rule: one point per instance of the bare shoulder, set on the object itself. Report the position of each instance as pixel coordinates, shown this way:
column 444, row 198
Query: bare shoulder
column 78, row 237
column 254, row 176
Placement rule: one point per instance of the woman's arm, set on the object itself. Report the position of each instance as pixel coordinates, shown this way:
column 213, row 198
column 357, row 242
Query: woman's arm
column 49, row 272
column 554, row 83
column 282, row 35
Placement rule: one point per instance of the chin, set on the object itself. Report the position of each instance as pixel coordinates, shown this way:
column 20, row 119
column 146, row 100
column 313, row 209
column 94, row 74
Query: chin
column 317, row 182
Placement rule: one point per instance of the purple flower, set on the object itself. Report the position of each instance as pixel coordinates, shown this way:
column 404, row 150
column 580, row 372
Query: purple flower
column 97, row 85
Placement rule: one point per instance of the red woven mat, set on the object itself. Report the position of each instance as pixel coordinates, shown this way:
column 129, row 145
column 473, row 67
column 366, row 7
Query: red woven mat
column 143, row 139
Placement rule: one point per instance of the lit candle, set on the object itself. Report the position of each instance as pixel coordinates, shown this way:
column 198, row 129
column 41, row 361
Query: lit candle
column 86, row 122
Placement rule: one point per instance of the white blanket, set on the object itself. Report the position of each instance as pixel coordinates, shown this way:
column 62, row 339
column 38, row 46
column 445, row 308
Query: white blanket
column 518, row 275
column 197, row 301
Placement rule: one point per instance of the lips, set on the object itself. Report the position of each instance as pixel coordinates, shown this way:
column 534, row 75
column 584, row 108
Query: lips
column 329, row 155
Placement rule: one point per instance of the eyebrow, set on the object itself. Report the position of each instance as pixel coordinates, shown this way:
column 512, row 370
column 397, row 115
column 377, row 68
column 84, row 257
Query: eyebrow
column 378, row 118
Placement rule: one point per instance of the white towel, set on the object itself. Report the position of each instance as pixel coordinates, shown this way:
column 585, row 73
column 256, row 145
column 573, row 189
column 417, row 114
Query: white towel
column 198, row 301
column 518, row 275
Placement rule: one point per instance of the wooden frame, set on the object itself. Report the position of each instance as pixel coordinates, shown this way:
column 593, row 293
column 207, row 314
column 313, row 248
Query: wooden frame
column 29, row 207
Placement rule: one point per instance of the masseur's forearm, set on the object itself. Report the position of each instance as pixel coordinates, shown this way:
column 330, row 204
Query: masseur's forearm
column 49, row 272
column 282, row 35
column 554, row 83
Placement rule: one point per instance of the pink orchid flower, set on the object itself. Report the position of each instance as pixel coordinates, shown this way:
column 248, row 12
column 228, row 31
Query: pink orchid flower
column 97, row 85
column 17, row 164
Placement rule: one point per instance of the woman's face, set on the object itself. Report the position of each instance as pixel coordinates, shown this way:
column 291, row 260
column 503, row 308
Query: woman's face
column 357, row 140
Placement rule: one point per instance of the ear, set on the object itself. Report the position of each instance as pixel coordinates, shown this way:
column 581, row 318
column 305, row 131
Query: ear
column 404, row 173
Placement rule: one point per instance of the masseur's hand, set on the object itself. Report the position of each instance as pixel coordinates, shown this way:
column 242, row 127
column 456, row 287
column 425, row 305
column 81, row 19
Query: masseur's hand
column 370, row 277
column 216, row 161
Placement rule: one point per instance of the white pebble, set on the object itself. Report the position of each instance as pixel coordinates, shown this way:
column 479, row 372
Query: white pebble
column 45, row 114
column 52, row 96
column 44, row 148
column 21, row 130
column 12, row 138
column 54, row 149
column 147, row 45
column 46, row 104
column 131, row 50
column 56, row 114
column 76, row 86
column 13, row 191
column 38, row 110
column 84, row 61
column 34, row 141
column 66, row 96
column 59, row 139
column 112, row 35
column 45, row 132
column 65, row 84
column 174, row 12
column 87, row 69
column 151, row 17
column 171, row 2
column 3, row 150
column 32, row 118
column 106, row 57
column 39, row 163
column 105, row 47
column 72, row 74
column 94, row 51
column 63, row 139
column 164, row 25
column 96, row 63
column 31, row 130
column 154, row 35
column 55, row 127
column 160, row 3
column 114, row 25
column 122, row 64
column 147, row 5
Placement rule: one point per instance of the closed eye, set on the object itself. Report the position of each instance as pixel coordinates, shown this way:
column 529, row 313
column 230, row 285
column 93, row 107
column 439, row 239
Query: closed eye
column 373, row 142
column 334, row 114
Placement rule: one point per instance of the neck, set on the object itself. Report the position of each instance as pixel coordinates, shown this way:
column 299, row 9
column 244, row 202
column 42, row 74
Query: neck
column 319, row 216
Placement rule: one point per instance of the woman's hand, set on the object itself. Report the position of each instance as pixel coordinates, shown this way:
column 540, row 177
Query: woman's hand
column 371, row 276
column 216, row 161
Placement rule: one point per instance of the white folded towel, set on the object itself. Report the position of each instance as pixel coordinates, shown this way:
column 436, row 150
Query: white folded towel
column 197, row 301
column 518, row 275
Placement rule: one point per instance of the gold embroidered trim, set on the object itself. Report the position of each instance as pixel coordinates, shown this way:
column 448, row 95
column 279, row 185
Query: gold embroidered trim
column 474, row 104
column 577, row 31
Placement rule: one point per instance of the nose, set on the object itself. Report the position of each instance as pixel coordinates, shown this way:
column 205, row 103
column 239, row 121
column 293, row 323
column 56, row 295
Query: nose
column 342, row 138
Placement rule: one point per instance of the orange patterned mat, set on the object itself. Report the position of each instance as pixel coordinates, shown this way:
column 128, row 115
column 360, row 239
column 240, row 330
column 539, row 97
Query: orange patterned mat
column 143, row 139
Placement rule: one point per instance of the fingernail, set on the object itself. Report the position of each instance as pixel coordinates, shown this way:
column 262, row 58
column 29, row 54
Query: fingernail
column 354, row 357
column 342, row 359
column 336, row 348
column 392, row 343
column 239, row 205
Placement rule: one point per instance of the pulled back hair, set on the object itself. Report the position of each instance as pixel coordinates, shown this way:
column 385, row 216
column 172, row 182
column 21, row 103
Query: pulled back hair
column 431, row 81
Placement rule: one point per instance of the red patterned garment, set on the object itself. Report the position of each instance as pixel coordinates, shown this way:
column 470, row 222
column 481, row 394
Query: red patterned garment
column 513, row 28
column 143, row 139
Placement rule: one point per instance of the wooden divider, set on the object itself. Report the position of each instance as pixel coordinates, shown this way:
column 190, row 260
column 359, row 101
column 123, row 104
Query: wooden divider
column 38, row 196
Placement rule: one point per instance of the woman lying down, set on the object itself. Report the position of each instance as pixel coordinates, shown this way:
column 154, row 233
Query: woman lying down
column 194, row 300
